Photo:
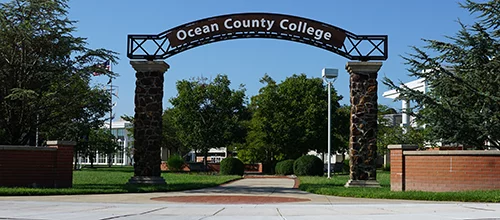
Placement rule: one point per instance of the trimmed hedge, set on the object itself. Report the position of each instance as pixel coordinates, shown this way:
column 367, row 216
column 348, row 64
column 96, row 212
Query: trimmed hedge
column 308, row 165
column 232, row 166
column 284, row 167
column 175, row 163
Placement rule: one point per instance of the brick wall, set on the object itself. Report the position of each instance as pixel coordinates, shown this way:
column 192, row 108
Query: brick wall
column 23, row 166
column 439, row 171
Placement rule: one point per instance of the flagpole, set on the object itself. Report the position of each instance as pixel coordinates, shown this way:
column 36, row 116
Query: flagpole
column 110, row 109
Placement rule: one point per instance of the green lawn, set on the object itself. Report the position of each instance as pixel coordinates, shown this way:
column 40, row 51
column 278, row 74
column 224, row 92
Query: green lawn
column 113, row 180
column 335, row 187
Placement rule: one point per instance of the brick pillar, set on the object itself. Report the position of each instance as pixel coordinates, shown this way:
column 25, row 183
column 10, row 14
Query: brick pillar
column 363, row 130
column 148, row 121
column 398, row 165
column 63, row 176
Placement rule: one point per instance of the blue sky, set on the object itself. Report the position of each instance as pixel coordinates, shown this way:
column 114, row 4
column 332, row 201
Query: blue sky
column 107, row 23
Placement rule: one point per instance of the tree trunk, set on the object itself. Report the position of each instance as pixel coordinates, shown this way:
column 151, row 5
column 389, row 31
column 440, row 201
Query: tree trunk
column 76, row 160
column 205, row 162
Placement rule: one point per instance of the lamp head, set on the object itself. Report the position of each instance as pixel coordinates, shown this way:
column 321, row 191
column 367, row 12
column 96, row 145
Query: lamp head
column 329, row 73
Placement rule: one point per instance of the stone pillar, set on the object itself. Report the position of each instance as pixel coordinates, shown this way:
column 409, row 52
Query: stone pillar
column 148, row 121
column 363, row 130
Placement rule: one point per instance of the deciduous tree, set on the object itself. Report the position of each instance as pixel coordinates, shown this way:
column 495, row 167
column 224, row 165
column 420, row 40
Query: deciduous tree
column 45, row 72
column 206, row 114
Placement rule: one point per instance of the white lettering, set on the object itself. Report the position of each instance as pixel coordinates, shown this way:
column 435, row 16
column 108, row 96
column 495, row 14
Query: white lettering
column 206, row 29
column 282, row 24
column 328, row 36
column 246, row 23
column 181, row 35
column 237, row 24
column 270, row 24
column 292, row 26
column 310, row 30
column 255, row 23
column 318, row 34
column 226, row 23
column 197, row 31
column 262, row 22
column 214, row 27
column 190, row 33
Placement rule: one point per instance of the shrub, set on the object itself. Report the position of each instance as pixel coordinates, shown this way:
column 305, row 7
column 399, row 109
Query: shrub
column 232, row 166
column 175, row 163
column 386, row 167
column 284, row 167
column 308, row 165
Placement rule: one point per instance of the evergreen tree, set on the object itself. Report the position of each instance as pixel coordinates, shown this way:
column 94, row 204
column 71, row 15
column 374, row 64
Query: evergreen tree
column 463, row 104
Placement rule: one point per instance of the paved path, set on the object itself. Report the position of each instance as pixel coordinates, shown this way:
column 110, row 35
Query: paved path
column 140, row 206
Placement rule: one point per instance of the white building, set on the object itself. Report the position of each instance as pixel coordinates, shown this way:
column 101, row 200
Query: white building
column 125, row 142
column 418, row 85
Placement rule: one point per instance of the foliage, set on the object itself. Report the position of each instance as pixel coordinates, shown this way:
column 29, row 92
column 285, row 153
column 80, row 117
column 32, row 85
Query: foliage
column 289, row 119
column 463, row 104
column 45, row 73
column 232, row 166
column 207, row 114
column 113, row 180
column 335, row 187
column 308, row 165
column 389, row 133
column 284, row 167
column 171, row 141
column 175, row 163
column 102, row 141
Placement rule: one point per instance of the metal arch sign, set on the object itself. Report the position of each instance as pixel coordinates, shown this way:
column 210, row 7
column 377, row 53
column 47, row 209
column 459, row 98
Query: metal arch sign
column 257, row 25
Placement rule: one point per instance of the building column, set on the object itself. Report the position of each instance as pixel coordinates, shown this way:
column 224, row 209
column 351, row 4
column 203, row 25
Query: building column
column 363, row 130
column 148, row 121
column 405, row 116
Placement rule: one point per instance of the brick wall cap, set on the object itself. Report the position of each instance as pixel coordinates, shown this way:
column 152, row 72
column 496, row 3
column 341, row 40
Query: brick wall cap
column 61, row 143
column 13, row 147
column 454, row 152
column 402, row 146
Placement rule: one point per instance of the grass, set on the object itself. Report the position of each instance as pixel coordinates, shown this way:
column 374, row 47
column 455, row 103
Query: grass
column 335, row 187
column 113, row 180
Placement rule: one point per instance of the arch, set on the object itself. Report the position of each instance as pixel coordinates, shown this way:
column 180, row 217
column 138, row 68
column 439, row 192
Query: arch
column 257, row 25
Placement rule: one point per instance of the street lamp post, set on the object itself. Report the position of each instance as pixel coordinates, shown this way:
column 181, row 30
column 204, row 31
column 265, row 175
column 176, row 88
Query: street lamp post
column 329, row 75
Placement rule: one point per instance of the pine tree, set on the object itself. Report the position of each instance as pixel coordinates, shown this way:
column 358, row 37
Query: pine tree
column 463, row 104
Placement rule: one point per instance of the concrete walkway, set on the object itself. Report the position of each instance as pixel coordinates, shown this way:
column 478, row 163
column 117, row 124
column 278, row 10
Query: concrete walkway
column 140, row 206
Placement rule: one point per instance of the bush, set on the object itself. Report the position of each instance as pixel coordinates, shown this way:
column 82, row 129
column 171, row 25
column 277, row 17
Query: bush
column 284, row 167
column 308, row 165
column 175, row 163
column 232, row 166
column 386, row 167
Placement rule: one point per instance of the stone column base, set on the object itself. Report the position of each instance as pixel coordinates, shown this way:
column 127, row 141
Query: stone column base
column 363, row 183
column 152, row 180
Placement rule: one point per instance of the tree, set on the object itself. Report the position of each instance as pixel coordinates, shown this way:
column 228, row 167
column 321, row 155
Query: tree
column 171, row 142
column 102, row 141
column 206, row 114
column 45, row 73
column 463, row 105
column 390, row 133
column 289, row 119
